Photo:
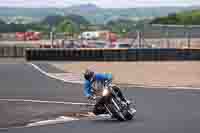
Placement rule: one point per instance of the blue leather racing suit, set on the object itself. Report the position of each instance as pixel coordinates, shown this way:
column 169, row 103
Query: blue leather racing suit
column 97, row 77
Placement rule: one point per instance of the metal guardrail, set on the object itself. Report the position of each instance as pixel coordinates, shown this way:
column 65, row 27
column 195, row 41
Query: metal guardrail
column 12, row 51
column 144, row 54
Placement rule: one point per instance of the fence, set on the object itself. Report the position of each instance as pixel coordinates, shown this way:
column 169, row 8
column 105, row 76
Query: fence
column 166, row 36
column 159, row 36
column 156, row 36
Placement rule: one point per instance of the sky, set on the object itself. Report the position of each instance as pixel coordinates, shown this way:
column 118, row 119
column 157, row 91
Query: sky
column 101, row 3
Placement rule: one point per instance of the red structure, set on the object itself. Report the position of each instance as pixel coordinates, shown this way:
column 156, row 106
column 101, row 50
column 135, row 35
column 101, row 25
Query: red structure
column 26, row 36
column 112, row 37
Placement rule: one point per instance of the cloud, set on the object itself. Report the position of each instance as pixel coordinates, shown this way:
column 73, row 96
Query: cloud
column 135, row 3
column 102, row 3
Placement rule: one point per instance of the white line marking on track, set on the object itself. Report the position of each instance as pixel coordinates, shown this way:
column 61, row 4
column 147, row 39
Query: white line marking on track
column 53, row 76
column 60, row 119
column 50, row 102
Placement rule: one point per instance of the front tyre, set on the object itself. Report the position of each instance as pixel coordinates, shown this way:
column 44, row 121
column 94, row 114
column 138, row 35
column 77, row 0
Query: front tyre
column 116, row 111
column 128, row 115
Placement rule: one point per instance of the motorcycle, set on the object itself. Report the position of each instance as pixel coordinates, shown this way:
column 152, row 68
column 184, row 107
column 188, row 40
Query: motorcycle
column 108, row 101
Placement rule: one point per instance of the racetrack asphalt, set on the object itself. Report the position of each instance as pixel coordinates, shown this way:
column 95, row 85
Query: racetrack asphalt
column 158, row 110
column 22, row 81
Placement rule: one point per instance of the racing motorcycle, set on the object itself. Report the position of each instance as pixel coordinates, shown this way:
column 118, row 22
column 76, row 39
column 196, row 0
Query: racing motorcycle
column 108, row 101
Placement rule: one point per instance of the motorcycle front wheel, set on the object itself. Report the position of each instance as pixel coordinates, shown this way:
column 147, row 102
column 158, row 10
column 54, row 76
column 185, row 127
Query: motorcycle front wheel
column 115, row 111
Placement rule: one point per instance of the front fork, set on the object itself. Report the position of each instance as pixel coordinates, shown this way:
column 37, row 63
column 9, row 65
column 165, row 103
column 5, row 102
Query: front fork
column 110, row 100
column 108, row 110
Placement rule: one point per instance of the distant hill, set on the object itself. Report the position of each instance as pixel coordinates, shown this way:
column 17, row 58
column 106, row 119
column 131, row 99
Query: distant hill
column 54, row 20
column 93, row 13
column 78, row 19
column 102, row 15
column 2, row 22
column 184, row 18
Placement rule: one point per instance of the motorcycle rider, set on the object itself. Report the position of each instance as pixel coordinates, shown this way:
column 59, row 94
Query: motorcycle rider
column 90, row 79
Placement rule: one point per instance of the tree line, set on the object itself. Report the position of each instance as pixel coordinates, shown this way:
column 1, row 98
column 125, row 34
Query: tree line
column 70, row 23
column 184, row 18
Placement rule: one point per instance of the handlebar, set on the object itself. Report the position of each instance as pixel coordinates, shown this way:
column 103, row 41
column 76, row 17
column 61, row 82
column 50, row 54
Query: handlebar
column 105, row 84
column 108, row 82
